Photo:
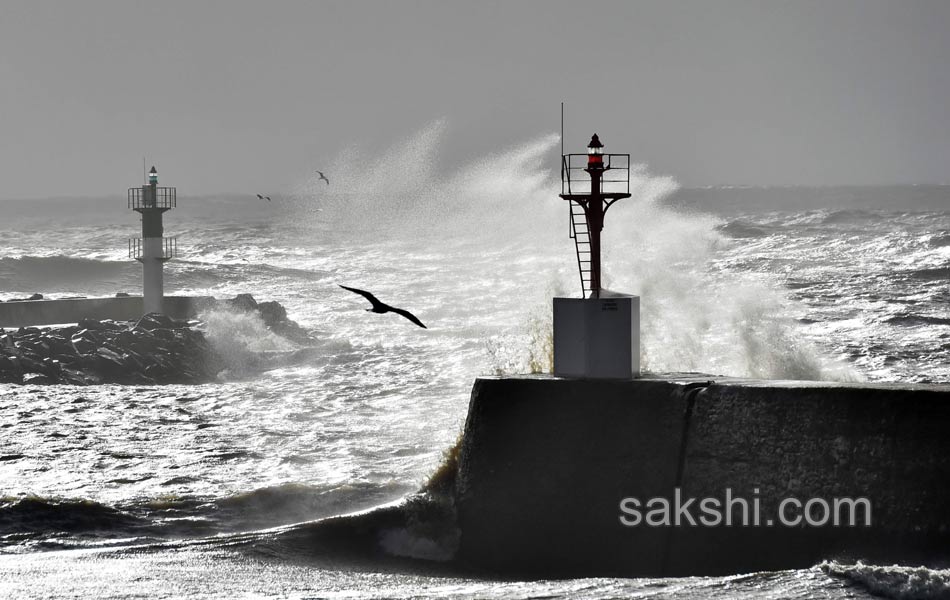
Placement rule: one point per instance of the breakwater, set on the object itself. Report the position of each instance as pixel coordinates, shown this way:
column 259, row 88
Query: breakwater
column 545, row 463
column 152, row 349
column 23, row 313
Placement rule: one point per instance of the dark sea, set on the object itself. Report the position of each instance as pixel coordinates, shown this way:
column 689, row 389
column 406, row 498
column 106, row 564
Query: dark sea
column 206, row 491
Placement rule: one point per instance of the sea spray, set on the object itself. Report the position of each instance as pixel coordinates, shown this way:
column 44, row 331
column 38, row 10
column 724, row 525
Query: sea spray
column 403, row 193
column 697, row 314
column 239, row 338
column 530, row 348
column 771, row 348
column 370, row 193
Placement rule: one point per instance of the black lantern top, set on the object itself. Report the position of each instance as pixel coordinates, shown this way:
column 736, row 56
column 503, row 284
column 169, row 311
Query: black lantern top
column 595, row 147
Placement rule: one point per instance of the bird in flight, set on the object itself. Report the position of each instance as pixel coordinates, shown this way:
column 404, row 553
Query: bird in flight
column 323, row 177
column 259, row 197
column 379, row 307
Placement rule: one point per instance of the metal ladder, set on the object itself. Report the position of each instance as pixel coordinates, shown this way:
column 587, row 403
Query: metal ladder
column 580, row 233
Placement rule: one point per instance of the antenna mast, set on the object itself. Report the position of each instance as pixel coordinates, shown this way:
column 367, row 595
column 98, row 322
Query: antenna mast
column 562, row 136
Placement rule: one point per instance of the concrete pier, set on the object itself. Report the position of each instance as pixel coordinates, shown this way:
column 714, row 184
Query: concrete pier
column 545, row 464
column 21, row 313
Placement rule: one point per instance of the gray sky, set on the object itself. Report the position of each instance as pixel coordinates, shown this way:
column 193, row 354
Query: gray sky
column 251, row 96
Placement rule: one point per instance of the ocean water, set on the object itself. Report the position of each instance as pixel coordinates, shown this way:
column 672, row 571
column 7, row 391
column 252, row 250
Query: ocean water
column 198, row 491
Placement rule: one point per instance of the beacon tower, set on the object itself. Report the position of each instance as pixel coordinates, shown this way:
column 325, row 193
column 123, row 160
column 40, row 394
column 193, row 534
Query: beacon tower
column 152, row 249
column 597, row 335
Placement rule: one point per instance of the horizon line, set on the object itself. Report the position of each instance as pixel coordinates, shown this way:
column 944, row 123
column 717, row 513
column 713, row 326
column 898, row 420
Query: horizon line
column 722, row 186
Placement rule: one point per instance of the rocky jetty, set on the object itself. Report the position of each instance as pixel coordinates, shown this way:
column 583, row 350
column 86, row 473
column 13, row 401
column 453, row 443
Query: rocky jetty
column 156, row 349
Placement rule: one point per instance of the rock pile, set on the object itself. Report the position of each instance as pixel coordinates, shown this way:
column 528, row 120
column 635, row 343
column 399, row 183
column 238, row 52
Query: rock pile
column 155, row 350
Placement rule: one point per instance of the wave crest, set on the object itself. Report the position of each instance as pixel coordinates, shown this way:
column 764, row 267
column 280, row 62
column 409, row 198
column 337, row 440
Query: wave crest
column 897, row 582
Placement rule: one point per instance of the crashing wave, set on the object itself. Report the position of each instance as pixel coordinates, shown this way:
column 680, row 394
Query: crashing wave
column 895, row 581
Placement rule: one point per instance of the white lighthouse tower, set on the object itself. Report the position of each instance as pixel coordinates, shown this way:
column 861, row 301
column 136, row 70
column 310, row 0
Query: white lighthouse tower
column 152, row 249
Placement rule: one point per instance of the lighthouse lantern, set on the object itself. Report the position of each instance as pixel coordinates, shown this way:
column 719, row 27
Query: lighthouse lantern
column 595, row 153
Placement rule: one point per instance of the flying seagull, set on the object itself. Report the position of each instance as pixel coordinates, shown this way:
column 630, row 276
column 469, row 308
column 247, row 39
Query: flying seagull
column 379, row 307
column 323, row 177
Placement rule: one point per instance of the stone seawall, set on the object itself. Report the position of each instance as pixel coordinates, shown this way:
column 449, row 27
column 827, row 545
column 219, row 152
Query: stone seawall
column 546, row 462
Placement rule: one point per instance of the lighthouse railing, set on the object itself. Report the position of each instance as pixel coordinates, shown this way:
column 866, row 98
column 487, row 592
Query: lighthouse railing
column 141, row 197
column 169, row 248
column 575, row 180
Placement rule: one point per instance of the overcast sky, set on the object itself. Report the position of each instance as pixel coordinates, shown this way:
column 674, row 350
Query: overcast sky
column 233, row 96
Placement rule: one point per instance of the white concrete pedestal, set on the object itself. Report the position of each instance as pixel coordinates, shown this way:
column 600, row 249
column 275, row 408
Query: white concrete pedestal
column 597, row 338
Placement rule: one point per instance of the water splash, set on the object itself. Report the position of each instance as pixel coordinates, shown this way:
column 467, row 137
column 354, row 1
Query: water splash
column 697, row 313
column 895, row 581
column 403, row 190
column 240, row 338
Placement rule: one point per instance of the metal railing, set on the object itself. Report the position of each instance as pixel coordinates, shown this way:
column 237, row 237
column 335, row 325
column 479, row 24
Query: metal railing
column 141, row 197
column 575, row 179
column 169, row 248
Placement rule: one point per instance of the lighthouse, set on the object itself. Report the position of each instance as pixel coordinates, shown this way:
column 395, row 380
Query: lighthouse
column 596, row 336
column 152, row 249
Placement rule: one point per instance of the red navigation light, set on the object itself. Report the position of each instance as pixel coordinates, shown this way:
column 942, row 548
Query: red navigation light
column 595, row 153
